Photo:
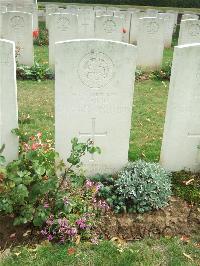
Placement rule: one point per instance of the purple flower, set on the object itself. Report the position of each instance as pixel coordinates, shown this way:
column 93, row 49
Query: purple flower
column 62, row 240
column 95, row 240
column 101, row 204
column 50, row 220
column 44, row 232
column 63, row 222
column 46, row 205
column 50, row 237
column 71, row 231
column 81, row 223
column 89, row 183
column 97, row 187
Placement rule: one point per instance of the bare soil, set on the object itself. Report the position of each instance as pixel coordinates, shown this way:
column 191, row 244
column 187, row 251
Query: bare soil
column 178, row 218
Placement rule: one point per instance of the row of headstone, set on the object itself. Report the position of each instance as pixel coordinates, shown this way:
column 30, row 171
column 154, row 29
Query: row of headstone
column 93, row 99
column 128, row 24
column 151, row 34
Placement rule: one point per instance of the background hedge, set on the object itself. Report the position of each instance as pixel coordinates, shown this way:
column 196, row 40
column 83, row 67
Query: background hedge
column 169, row 3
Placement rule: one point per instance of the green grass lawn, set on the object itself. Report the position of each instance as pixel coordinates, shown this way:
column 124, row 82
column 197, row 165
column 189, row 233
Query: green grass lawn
column 149, row 252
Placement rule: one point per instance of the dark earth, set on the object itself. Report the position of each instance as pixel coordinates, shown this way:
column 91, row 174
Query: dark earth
column 177, row 219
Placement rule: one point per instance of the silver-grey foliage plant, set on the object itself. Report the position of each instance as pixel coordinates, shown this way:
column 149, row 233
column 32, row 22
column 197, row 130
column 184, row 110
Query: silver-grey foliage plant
column 144, row 186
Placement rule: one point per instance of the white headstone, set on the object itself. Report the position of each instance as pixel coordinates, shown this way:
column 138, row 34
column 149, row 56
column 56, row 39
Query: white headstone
column 169, row 23
column 86, row 18
column 113, row 8
column 189, row 32
column 99, row 8
column 17, row 27
column 150, row 43
column 28, row 8
column 94, row 93
column 50, row 9
column 151, row 13
column 3, row 9
column 175, row 16
column 33, row 10
column 62, row 27
column 189, row 16
column 126, row 16
column 109, row 28
column 72, row 9
column 99, row 13
column 135, row 26
column 8, row 100
column 182, row 123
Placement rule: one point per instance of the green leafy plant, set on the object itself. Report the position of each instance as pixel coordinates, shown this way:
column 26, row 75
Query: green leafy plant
column 36, row 72
column 163, row 74
column 41, row 36
column 30, row 188
column 139, row 187
column 144, row 186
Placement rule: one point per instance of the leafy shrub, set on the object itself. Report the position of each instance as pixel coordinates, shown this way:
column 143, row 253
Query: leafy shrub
column 108, row 192
column 30, row 188
column 139, row 187
column 36, row 72
column 144, row 186
column 163, row 74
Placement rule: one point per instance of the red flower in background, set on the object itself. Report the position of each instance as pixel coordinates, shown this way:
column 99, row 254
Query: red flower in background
column 35, row 33
column 124, row 30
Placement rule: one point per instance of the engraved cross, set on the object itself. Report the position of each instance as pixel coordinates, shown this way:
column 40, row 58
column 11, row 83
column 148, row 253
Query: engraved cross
column 93, row 134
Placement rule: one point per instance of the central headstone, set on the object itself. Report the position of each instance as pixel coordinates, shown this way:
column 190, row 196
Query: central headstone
column 94, row 94
column 8, row 100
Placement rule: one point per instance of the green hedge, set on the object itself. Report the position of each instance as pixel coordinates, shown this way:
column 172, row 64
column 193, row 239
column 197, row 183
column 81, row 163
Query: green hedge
column 169, row 3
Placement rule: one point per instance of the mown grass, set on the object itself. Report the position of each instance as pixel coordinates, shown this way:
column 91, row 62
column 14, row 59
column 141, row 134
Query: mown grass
column 149, row 252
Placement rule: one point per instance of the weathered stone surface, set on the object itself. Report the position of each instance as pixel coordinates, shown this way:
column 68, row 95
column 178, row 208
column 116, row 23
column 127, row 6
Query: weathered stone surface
column 189, row 32
column 181, row 136
column 17, row 27
column 62, row 27
column 150, row 42
column 94, row 93
column 109, row 28
column 8, row 100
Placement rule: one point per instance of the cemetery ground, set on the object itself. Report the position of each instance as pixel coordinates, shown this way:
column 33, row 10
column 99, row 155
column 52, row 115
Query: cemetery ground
column 36, row 114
